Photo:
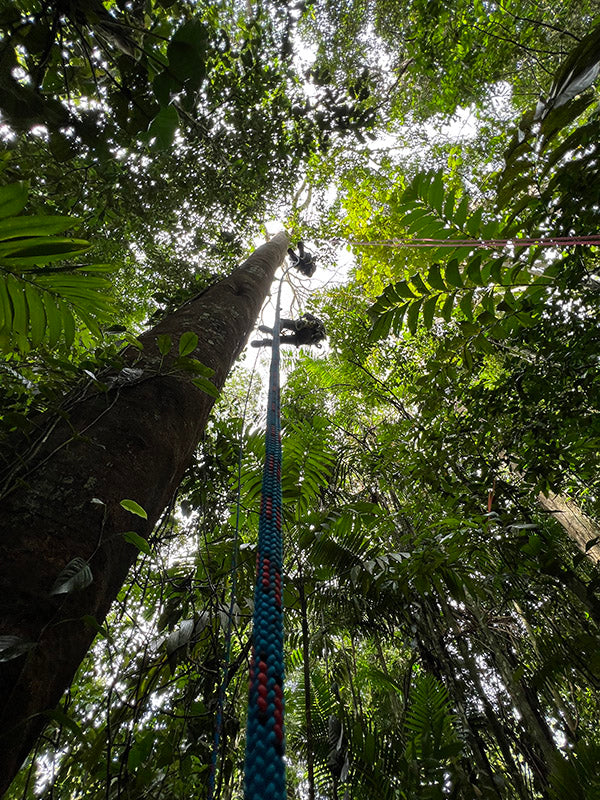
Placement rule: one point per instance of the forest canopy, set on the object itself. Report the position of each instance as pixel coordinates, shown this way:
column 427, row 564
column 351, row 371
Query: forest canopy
column 440, row 481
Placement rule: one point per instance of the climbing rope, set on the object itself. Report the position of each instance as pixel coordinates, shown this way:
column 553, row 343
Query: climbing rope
column 265, row 741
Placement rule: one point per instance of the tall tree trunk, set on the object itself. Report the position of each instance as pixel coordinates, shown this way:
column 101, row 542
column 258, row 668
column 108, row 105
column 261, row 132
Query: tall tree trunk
column 133, row 441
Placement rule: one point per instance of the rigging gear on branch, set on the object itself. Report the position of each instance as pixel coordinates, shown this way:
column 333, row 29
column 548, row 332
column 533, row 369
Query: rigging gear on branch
column 306, row 330
column 303, row 262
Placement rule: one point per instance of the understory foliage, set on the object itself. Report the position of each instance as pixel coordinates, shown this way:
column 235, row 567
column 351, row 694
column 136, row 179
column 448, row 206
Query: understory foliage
column 440, row 478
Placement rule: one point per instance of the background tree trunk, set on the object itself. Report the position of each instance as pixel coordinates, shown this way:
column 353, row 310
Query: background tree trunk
column 576, row 523
column 133, row 441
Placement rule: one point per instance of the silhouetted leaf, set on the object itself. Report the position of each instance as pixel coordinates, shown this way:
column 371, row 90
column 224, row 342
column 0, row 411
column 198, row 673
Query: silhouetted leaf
column 74, row 577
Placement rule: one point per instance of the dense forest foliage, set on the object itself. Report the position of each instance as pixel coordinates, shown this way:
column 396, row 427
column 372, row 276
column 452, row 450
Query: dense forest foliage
column 441, row 452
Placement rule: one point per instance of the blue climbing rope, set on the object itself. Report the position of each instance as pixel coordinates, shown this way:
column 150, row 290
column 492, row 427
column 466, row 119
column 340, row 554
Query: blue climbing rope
column 212, row 775
column 265, row 738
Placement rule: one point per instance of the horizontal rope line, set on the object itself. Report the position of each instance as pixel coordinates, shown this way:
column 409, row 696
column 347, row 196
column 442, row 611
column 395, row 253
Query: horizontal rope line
column 550, row 241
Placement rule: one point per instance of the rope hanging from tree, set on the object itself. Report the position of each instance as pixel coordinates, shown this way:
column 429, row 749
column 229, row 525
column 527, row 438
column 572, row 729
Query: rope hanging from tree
column 265, row 736
column 265, row 742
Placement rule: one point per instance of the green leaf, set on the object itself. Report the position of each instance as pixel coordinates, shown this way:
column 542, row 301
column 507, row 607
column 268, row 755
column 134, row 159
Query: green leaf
column 467, row 358
column 518, row 274
column 17, row 299
column 382, row 326
column 474, row 271
column 13, row 198
column 431, row 228
column 466, row 305
column 206, row 386
column 164, row 343
column 487, row 301
column 509, row 300
column 163, row 127
column 164, row 86
column 410, row 218
column 474, row 222
column 6, row 311
column 429, row 311
column 481, row 343
column 84, row 269
column 563, row 116
column 369, row 748
column 434, row 278
column 461, row 212
column 412, row 316
column 75, row 576
column 496, row 270
column 187, row 52
column 90, row 323
column 68, row 323
column 526, row 320
column 188, row 343
column 15, row 227
column 449, row 205
column 452, row 274
column 446, row 310
column 37, row 250
column 403, row 289
column 53, row 320
column 140, row 750
column 193, row 365
column 398, row 317
column 418, row 283
column 490, row 230
column 61, row 147
column 486, row 318
column 37, row 314
column 138, row 541
column 436, row 193
column 134, row 508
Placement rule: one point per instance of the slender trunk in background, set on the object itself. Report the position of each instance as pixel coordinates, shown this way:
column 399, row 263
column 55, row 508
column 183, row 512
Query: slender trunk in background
column 310, row 768
column 133, row 441
column 578, row 526
column 445, row 669
column 576, row 523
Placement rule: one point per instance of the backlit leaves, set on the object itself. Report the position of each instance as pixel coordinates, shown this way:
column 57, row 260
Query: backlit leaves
column 41, row 304
column 549, row 148
column 464, row 277
column 549, row 165
column 134, row 508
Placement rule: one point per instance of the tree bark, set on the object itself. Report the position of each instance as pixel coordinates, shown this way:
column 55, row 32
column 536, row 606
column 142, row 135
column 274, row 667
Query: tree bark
column 133, row 441
column 576, row 523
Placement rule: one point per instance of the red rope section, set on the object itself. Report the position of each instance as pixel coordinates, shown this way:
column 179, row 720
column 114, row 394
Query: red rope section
column 547, row 241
